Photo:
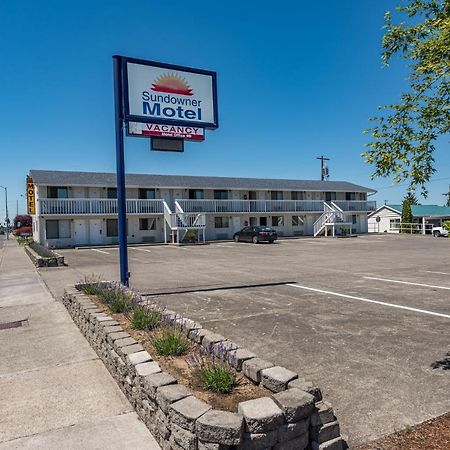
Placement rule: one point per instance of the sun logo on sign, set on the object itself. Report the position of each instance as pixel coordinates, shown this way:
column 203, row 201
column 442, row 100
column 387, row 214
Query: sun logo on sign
column 171, row 83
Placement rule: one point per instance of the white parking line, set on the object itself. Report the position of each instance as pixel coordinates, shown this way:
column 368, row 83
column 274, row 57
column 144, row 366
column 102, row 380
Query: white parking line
column 439, row 273
column 141, row 249
column 408, row 282
column 99, row 251
column 368, row 300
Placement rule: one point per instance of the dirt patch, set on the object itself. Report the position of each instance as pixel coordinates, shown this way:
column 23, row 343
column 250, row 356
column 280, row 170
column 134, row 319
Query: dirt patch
column 433, row 434
column 178, row 367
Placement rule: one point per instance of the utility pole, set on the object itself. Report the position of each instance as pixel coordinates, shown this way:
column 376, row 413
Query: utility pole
column 17, row 205
column 322, row 167
column 447, row 194
column 7, row 215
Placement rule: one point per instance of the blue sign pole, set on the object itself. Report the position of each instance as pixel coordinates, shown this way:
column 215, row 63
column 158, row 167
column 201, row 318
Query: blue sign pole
column 120, row 164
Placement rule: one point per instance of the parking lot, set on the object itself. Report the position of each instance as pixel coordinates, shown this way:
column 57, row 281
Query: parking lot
column 367, row 318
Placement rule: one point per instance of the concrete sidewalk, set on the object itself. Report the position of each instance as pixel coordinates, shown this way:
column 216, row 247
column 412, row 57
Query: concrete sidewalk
column 55, row 393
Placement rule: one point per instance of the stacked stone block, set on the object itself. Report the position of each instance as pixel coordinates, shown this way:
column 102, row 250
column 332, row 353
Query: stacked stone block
column 292, row 417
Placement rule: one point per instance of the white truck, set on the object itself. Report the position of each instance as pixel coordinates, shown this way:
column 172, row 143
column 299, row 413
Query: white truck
column 439, row 231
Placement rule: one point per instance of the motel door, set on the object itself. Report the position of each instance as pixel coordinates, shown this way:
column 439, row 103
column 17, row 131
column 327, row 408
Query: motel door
column 95, row 232
column 80, row 232
column 167, row 196
column 236, row 224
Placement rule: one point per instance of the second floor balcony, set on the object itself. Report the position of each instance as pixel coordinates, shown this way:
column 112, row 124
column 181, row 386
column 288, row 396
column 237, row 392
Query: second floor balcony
column 94, row 206
column 270, row 206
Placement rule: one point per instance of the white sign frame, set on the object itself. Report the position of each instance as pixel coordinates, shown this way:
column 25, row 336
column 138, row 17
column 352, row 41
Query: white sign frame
column 149, row 97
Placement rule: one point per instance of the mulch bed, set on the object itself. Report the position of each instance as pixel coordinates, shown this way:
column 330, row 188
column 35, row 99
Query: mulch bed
column 185, row 374
column 433, row 434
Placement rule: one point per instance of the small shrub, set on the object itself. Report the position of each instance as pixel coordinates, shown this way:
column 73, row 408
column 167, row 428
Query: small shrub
column 119, row 302
column 90, row 289
column 24, row 230
column 41, row 250
column 115, row 296
column 171, row 341
column 191, row 236
column 217, row 377
column 213, row 369
column 145, row 318
column 24, row 240
column 91, row 285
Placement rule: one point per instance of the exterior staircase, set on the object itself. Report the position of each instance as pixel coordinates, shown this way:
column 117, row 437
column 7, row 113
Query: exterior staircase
column 179, row 224
column 333, row 216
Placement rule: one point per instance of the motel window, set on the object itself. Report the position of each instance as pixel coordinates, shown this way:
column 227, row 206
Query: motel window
column 277, row 221
column 220, row 195
column 330, row 196
column 296, row 195
column 354, row 219
column 350, row 196
column 298, row 221
column 112, row 229
column 111, row 192
column 253, row 221
column 57, row 192
column 263, row 221
column 147, row 224
column 57, row 229
column 221, row 222
column 196, row 194
column 147, row 194
column 276, row 195
column 394, row 224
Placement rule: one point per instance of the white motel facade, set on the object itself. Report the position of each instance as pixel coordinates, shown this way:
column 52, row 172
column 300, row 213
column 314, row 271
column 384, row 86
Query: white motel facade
column 80, row 208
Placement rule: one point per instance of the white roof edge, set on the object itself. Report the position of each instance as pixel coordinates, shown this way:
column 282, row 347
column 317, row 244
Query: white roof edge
column 384, row 206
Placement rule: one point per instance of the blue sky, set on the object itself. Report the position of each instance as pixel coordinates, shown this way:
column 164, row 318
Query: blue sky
column 295, row 80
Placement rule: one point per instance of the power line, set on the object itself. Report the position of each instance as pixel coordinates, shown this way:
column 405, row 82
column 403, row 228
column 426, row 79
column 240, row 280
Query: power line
column 406, row 184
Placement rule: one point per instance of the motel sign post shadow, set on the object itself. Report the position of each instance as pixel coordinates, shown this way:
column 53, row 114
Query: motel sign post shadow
column 153, row 96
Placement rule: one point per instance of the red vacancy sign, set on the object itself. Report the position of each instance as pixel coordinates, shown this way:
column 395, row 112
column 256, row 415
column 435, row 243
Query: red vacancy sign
column 173, row 131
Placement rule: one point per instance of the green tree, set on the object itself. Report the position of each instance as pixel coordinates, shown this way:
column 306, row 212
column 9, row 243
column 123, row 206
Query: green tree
column 405, row 133
column 411, row 197
column 407, row 216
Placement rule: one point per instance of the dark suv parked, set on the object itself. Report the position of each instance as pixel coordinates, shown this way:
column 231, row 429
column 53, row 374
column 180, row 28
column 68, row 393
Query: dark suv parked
column 256, row 234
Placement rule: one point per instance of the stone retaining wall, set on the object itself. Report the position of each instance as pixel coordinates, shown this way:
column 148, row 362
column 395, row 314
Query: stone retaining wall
column 40, row 261
column 293, row 417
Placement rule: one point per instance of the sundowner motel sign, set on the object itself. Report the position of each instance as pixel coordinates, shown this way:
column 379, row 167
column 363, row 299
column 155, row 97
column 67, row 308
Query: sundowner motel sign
column 165, row 94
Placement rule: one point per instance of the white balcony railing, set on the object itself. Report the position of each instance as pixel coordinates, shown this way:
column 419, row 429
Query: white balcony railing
column 270, row 206
column 251, row 206
column 91, row 206
column 356, row 205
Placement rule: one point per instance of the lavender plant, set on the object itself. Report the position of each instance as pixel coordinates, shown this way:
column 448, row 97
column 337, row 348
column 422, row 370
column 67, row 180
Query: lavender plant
column 214, row 371
column 171, row 341
column 91, row 285
column 146, row 318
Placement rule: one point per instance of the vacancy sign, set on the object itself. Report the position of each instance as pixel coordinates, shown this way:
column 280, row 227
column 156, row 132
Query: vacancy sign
column 161, row 130
column 158, row 93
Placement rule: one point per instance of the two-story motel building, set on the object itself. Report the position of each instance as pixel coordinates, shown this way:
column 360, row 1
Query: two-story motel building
column 80, row 208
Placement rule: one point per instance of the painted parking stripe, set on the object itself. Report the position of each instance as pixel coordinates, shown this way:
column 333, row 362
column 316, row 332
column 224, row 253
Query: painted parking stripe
column 368, row 300
column 408, row 282
column 99, row 251
column 439, row 273
column 141, row 249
